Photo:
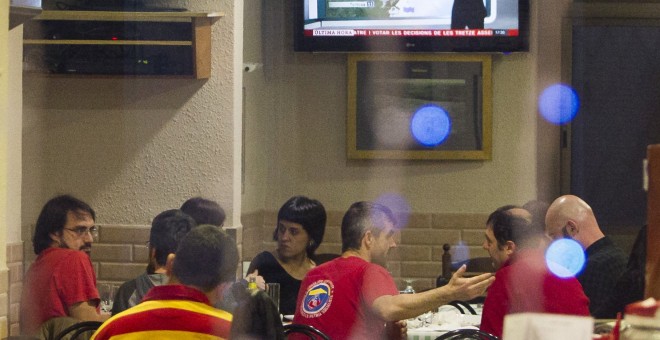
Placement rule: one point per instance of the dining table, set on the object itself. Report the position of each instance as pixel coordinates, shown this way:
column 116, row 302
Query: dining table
column 430, row 325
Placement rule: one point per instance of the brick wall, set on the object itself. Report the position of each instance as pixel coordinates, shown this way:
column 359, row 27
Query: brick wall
column 15, row 266
column 121, row 252
column 419, row 252
column 4, row 303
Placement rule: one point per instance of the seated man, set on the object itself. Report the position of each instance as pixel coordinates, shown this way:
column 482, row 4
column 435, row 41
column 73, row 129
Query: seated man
column 523, row 282
column 353, row 296
column 204, row 211
column 167, row 229
column 571, row 217
column 61, row 281
column 204, row 262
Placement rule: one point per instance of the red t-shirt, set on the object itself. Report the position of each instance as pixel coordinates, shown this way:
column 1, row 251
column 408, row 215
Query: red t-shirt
column 57, row 279
column 336, row 298
column 524, row 284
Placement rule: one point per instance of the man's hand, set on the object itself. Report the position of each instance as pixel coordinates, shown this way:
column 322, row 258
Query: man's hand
column 397, row 330
column 464, row 289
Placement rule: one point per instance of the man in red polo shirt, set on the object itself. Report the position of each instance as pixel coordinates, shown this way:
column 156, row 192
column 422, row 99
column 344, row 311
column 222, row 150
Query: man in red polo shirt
column 61, row 281
column 354, row 297
column 523, row 281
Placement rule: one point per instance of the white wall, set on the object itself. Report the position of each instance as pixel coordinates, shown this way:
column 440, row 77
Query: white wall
column 302, row 128
column 133, row 147
column 4, row 144
column 14, row 134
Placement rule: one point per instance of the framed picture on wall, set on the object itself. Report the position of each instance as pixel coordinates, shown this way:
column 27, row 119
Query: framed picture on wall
column 419, row 106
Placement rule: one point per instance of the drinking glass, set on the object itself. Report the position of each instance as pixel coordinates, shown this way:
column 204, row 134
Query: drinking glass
column 409, row 288
column 107, row 295
column 273, row 291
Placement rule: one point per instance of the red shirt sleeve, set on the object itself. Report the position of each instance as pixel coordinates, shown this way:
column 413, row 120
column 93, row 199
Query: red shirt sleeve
column 377, row 282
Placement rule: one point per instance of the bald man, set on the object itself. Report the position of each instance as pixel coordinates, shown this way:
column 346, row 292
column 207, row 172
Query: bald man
column 571, row 217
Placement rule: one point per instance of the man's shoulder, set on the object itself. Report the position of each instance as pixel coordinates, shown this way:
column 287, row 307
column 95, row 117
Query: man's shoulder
column 605, row 252
column 182, row 316
column 60, row 259
column 345, row 265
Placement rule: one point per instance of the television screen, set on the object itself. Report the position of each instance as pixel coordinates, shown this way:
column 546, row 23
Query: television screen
column 411, row 25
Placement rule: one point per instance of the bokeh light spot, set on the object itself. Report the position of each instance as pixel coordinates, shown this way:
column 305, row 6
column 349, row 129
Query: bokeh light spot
column 430, row 125
column 565, row 257
column 559, row 104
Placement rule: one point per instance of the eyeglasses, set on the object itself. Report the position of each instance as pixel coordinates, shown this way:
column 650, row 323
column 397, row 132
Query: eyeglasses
column 81, row 231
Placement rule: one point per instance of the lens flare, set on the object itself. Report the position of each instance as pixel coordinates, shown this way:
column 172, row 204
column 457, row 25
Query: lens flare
column 565, row 257
column 399, row 206
column 460, row 252
column 430, row 125
column 559, row 104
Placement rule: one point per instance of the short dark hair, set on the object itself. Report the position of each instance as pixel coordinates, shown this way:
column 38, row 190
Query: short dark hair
column 206, row 257
column 307, row 212
column 204, row 211
column 509, row 227
column 53, row 218
column 361, row 217
column 167, row 230
column 538, row 209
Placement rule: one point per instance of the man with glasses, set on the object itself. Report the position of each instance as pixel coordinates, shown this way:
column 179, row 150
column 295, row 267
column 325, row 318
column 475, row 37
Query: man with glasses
column 61, row 281
column 571, row 217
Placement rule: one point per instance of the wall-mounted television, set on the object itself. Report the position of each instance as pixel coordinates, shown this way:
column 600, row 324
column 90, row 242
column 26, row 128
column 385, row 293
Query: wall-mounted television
column 411, row 25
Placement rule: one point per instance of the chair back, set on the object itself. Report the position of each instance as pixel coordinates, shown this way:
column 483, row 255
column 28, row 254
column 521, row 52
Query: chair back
column 256, row 317
column 463, row 307
column 309, row 331
column 467, row 333
column 79, row 331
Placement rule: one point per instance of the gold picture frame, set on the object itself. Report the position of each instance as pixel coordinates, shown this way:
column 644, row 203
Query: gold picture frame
column 386, row 93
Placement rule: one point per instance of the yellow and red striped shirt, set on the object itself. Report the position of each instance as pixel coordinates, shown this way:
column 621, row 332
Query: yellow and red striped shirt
column 168, row 312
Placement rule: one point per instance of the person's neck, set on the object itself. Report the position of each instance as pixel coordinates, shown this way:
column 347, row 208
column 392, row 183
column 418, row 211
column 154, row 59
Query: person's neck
column 209, row 295
column 590, row 235
column 357, row 253
column 160, row 270
column 296, row 260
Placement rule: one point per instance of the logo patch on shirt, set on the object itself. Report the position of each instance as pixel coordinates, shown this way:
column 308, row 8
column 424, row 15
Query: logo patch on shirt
column 317, row 299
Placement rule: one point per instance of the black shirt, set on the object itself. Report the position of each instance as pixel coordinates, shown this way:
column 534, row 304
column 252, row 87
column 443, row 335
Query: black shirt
column 605, row 264
column 272, row 271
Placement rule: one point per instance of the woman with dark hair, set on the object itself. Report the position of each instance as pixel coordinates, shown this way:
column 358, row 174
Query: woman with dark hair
column 299, row 232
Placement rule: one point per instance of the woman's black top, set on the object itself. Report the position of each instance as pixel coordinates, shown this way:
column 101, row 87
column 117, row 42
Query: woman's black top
column 272, row 272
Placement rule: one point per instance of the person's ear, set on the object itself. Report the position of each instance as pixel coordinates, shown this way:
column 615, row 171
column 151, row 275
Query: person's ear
column 572, row 228
column 368, row 239
column 55, row 237
column 510, row 247
column 169, row 265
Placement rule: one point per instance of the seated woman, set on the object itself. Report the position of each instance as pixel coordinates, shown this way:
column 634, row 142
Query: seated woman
column 299, row 232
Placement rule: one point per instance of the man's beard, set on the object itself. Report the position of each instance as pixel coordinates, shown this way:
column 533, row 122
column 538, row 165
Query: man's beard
column 87, row 247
